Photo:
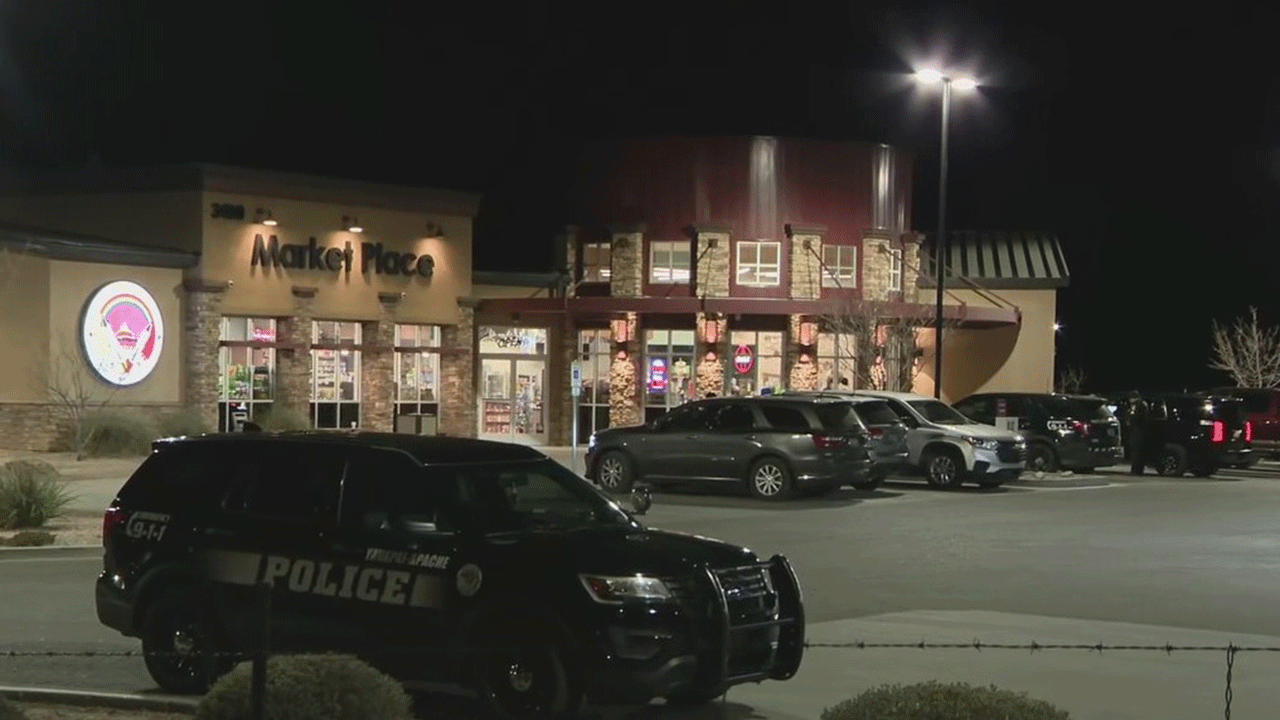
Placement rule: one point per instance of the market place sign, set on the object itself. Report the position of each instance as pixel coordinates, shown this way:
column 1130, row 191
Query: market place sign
column 270, row 252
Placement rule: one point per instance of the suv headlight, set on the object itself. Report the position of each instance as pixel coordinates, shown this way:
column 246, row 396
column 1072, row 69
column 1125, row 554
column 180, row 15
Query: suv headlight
column 983, row 443
column 615, row 590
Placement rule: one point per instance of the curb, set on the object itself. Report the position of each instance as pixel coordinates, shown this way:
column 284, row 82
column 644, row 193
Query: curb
column 46, row 550
column 117, row 701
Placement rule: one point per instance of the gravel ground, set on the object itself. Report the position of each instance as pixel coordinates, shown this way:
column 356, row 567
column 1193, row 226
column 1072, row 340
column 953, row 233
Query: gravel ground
column 71, row 530
column 41, row 711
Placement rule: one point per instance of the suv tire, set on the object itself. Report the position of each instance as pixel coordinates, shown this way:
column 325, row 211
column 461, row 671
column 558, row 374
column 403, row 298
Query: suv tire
column 770, row 479
column 942, row 467
column 615, row 472
column 1041, row 458
column 1172, row 461
column 522, row 675
column 176, row 622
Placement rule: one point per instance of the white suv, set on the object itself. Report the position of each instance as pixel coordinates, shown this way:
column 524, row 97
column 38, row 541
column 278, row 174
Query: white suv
column 949, row 448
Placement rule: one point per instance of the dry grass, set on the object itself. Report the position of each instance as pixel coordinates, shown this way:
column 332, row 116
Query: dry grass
column 42, row 711
column 70, row 530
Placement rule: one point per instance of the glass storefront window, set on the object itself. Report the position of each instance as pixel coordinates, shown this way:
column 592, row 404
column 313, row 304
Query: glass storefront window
column 754, row 363
column 595, row 354
column 335, row 374
column 668, row 370
column 417, row 372
column 246, row 371
column 837, row 369
column 512, row 341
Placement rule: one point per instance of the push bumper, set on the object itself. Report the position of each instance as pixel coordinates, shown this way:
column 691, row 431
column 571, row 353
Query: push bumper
column 722, row 650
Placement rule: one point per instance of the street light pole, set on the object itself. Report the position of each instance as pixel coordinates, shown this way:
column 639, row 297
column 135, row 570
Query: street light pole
column 940, row 243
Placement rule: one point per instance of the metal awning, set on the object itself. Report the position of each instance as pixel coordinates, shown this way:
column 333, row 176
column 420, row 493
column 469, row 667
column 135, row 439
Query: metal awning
column 998, row 261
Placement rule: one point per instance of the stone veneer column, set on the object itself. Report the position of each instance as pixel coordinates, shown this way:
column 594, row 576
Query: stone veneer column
column 911, row 244
column 563, row 350
column 803, row 373
column 806, row 263
column 293, row 360
column 624, row 373
column 202, row 329
column 626, row 260
column 875, row 267
column 377, row 367
column 712, row 254
column 458, row 374
column 712, row 330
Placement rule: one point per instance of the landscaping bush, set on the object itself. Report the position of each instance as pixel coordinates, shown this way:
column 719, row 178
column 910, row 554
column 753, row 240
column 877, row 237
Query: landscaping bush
column 30, row 538
column 936, row 701
column 280, row 419
column 9, row 711
column 32, row 493
column 118, row 434
column 309, row 687
column 177, row 423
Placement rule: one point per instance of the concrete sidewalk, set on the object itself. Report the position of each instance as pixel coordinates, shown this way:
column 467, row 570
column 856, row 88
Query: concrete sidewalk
column 1111, row 685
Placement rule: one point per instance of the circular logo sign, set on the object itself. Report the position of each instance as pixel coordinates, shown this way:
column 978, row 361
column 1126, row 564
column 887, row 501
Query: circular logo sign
column 468, row 580
column 742, row 359
column 122, row 332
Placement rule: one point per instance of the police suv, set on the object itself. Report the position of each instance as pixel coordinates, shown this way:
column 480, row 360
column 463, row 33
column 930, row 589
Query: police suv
column 439, row 560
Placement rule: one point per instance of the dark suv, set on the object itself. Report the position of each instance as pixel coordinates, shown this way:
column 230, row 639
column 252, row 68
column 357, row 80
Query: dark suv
column 482, row 564
column 1193, row 432
column 777, row 446
column 1070, row 432
column 887, row 441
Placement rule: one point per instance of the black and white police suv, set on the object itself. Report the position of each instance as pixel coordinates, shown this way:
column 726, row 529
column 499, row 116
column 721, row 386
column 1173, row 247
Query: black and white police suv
column 483, row 565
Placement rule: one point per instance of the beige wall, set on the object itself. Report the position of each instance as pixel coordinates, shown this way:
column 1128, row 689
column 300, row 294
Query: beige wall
column 161, row 219
column 228, row 254
column 70, row 286
column 1008, row 359
column 24, row 327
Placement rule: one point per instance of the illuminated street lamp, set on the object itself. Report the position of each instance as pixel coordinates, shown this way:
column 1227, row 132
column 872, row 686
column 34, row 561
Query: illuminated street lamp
column 933, row 77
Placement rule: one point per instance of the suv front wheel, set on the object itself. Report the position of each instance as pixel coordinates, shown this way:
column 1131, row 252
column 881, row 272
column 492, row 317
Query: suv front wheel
column 943, row 468
column 770, row 479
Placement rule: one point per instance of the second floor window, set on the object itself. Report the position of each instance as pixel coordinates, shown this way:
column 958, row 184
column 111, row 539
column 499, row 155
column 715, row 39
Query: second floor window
column 759, row 263
column 596, row 258
column 839, row 266
column 669, row 262
column 895, row 271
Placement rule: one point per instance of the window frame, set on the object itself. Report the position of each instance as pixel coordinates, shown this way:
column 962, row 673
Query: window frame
column 832, row 276
column 758, row 265
column 670, row 248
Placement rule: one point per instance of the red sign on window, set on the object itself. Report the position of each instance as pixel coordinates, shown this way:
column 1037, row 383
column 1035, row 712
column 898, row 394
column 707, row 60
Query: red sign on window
column 743, row 359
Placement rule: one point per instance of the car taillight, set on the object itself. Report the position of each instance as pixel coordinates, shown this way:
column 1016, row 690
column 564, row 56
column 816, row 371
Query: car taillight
column 830, row 442
column 1248, row 431
column 1219, row 431
column 875, row 432
column 1079, row 427
column 113, row 518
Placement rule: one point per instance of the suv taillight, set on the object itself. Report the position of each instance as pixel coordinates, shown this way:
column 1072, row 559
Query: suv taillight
column 1219, row 431
column 113, row 518
column 1080, row 427
column 1248, row 431
column 830, row 442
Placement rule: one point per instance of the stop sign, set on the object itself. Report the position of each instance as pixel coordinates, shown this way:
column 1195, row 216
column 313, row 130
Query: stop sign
column 743, row 360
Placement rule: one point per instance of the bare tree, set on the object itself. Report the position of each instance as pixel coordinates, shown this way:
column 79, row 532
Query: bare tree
column 879, row 343
column 70, row 386
column 1247, row 351
column 1071, row 381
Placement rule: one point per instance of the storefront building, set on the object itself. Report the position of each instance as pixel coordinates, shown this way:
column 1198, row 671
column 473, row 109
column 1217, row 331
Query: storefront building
column 736, row 266
column 233, row 292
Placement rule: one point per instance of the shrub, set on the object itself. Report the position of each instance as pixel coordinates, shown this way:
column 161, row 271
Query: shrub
column 30, row 538
column 176, row 423
column 936, row 701
column 117, row 434
column 9, row 711
column 309, row 687
column 32, row 493
column 281, row 419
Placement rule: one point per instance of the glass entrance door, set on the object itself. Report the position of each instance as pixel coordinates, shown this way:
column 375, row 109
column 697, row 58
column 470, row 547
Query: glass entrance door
column 511, row 400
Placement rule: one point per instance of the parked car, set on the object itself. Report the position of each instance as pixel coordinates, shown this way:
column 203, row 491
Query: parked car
column 888, row 434
column 1193, row 432
column 1071, row 432
column 776, row 446
column 950, row 449
column 444, row 560
column 1262, row 408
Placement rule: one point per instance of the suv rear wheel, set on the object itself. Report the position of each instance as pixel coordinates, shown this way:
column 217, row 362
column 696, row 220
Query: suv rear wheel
column 1173, row 461
column 179, row 643
column 943, row 467
column 1041, row 458
column 615, row 472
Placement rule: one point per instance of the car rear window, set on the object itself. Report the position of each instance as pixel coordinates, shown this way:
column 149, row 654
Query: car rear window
column 1231, row 411
column 838, row 417
column 1091, row 409
column 173, row 479
column 876, row 413
column 785, row 417
column 1255, row 401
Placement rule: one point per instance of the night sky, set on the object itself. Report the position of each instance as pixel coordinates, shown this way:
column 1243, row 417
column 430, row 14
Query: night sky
column 1144, row 142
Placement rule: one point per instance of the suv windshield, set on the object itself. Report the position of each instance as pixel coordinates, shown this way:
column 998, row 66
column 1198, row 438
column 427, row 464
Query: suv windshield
column 533, row 496
column 938, row 412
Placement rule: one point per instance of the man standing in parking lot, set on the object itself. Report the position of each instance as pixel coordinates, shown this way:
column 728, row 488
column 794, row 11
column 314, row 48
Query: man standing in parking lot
column 1136, row 419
